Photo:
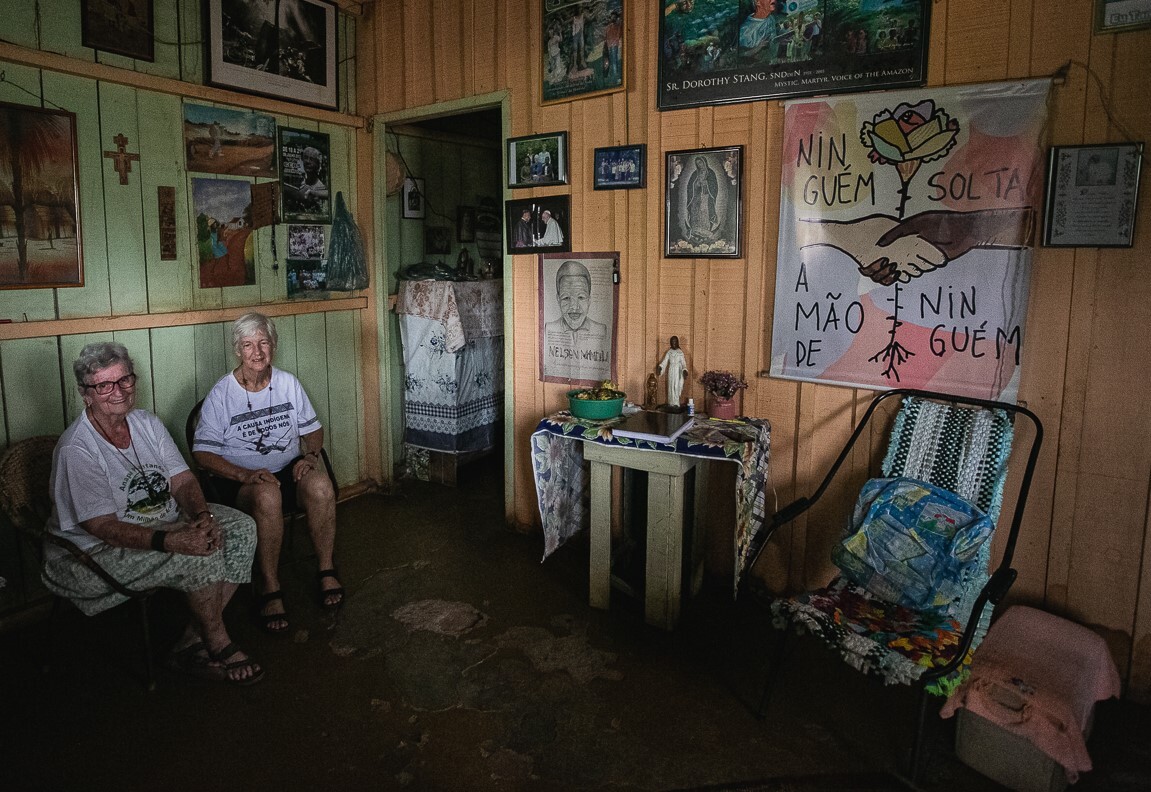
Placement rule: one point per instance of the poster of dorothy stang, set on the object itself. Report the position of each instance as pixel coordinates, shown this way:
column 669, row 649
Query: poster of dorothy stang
column 907, row 221
column 718, row 51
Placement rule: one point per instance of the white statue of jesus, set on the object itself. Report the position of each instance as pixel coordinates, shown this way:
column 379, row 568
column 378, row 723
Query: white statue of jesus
column 675, row 363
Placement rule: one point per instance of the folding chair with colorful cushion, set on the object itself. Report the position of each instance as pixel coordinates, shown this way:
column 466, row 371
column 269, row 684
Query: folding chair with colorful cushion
column 915, row 591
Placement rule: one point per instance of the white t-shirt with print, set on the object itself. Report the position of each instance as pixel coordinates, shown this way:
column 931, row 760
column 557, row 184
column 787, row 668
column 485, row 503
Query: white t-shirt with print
column 91, row 477
column 256, row 430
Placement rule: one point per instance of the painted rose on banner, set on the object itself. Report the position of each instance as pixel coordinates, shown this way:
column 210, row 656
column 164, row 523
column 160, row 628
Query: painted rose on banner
column 906, row 225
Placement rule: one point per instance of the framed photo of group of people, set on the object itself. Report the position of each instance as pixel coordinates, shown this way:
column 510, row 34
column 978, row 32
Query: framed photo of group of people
column 538, row 160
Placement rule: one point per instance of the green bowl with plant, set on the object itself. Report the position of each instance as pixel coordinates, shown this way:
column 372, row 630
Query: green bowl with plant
column 597, row 404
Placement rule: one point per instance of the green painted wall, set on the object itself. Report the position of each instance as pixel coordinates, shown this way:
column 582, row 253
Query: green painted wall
column 123, row 273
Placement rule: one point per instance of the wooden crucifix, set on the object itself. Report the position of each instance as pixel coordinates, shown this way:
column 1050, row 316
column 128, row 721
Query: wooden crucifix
column 123, row 159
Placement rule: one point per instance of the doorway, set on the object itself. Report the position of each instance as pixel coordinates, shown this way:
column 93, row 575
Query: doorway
column 442, row 228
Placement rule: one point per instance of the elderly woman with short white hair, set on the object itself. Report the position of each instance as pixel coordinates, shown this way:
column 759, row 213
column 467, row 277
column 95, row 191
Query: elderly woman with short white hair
column 122, row 492
column 260, row 438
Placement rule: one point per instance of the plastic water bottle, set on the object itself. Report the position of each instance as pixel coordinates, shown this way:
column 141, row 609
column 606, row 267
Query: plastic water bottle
column 691, row 406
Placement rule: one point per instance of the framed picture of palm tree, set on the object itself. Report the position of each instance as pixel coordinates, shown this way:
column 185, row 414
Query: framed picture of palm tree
column 39, row 199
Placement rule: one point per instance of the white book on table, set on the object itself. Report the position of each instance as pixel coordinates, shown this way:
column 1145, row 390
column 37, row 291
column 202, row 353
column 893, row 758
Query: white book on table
column 658, row 427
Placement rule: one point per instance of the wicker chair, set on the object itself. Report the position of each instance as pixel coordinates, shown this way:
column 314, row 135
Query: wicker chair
column 26, row 500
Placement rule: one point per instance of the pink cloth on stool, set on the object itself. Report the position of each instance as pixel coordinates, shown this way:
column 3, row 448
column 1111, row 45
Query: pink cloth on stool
column 1038, row 675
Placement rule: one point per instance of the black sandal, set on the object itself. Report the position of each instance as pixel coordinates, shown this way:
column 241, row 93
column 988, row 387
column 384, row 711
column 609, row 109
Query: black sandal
column 229, row 651
column 332, row 592
column 266, row 620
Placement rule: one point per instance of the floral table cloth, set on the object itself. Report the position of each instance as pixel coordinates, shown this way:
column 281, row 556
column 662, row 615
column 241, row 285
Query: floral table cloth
column 561, row 474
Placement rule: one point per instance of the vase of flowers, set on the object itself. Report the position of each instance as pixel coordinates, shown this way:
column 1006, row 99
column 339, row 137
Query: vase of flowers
column 721, row 388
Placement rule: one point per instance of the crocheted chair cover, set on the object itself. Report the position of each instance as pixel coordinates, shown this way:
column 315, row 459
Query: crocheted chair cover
column 961, row 449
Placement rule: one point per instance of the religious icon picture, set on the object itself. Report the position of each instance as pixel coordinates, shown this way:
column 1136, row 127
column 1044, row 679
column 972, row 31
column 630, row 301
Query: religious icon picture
column 703, row 202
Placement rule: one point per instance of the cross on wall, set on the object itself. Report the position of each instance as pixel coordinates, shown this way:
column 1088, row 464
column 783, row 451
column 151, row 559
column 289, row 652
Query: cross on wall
column 123, row 164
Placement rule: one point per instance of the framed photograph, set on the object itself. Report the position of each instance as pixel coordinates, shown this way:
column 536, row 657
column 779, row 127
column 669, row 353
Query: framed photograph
column 582, row 49
column 282, row 50
column 538, row 160
column 412, row 199
column 703, row 203
column 538, row 225
column 721, row 51
column 620, row 168
column 222, row 208
column 306, row 275
column 44, row 251
column 437, row 241
column 306, row 242
column 304, row 175
column 1112, row 16
column 222, row 140
column 465, row 224
column 577, row 317
column 120, row 28
column 1092, row 195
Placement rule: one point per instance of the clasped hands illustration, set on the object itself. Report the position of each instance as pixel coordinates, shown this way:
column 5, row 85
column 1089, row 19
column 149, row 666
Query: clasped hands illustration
column 887, row 249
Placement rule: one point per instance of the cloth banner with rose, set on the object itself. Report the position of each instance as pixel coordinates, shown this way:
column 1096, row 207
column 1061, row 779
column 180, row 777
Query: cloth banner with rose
column 907, row 220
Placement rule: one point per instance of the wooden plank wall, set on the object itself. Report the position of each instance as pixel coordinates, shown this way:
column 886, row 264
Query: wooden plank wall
column 1084, row 551
column 123, row 273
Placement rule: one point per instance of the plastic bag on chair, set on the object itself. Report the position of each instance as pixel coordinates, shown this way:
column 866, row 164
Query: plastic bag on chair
column 347, row 267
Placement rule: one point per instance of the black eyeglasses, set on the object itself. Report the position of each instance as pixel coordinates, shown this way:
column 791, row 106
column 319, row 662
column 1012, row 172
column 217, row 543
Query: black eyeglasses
column 125, row 383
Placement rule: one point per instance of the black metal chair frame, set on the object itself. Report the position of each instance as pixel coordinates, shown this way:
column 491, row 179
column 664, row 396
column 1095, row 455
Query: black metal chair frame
column 31, row 520
column 212, row 494
column 993, row 591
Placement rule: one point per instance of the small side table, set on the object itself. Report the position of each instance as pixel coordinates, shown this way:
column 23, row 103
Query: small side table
column 666, row 493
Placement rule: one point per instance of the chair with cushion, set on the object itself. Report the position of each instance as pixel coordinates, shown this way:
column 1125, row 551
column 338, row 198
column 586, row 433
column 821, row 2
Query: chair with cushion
column 210, row 492
column 915, row 590
column 26, row 500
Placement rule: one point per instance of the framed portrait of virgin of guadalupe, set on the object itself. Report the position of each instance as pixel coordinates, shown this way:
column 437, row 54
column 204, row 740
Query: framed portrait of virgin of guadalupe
column 703, row 203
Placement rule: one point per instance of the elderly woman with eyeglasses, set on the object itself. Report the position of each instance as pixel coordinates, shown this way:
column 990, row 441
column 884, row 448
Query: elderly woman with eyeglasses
column 123, row 493
column 260, row 438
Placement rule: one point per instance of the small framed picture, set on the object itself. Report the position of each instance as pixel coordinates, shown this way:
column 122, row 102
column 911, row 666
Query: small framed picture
column 283, row 50
column 1112, row 16
column 306, row 242
column 538, row 160
column 465, row 224
column 235, row 142
column 437, row 241
column 1092, row 195
column 304, row 191
column 412, row 199
column 620, row 167
column 703, row 203
column 121, row 28
column 539, row 225
column 582, row 49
